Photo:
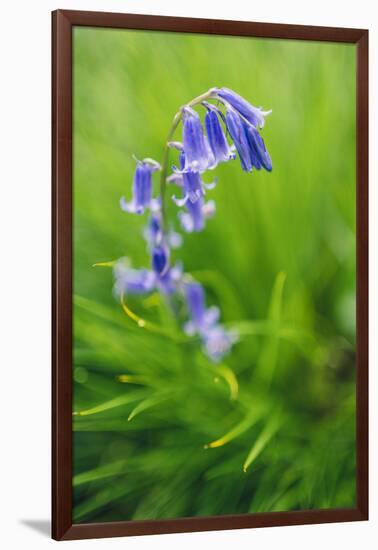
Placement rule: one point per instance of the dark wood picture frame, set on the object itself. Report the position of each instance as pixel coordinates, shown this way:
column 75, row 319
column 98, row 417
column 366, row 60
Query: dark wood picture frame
column 62, row 24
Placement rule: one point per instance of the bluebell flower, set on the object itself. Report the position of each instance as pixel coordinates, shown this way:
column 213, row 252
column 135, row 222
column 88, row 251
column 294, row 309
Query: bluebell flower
column 198, row 154
column 133, row 281
column 217, row 341
column 153, row 233
column 254, row 115
column 201, row 319
column 248, row 142
column 196, row 214
column 142, row 188
column 259, row 154
column 144, row 281
column 217, row 139
column 170, row 281
column 193, row 187
column 160, row 259
column 236, row 128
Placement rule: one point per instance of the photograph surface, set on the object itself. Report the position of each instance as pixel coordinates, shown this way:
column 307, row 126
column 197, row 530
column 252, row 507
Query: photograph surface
column 214, row 235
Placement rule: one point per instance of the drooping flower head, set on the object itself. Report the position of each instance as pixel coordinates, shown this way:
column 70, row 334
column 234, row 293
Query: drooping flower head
column 193, row 187
column 237, row 132
column 160, row 259
column 131, row 281
column 217, row 139
column 164, row 278
column 201, row 319
column 154, row 234
column 198, row 154
column 193, row 219
column 142, row 188
column 170, row 281
column 248, row 142
column 254, row 115
column 259, row 154
column 217, row 341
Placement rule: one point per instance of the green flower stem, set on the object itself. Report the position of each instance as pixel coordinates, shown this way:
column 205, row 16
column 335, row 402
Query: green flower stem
column 164, row 164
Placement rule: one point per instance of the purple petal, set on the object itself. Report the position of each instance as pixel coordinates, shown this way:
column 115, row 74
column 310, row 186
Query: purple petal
column 254, row 115
column 195, row 147
column 195, row 300
column 218, row 342
column 216, row 136
column 160, row 258
column 238, row 135
column 134, row 281
column 130, row 206
column 180, row 202
column 186, row 222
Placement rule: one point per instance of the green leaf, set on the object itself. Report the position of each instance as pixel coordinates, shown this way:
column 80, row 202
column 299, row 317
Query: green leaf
column 106, row 470
column 261, row 442
column 228, row 375
column 252, row 328
column 111, row 404
column 267, row 360
column 146, row 404
column 239, row 429
column 99, row 310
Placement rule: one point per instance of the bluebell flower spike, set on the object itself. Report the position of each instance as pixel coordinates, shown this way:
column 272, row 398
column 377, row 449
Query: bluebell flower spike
column 200, row 150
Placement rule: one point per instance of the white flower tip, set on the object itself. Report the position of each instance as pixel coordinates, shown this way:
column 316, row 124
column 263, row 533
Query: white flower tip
column 152, row 163
column 175, row 145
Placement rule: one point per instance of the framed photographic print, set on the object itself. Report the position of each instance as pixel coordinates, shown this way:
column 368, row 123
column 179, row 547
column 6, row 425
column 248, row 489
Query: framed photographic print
column 210, row 281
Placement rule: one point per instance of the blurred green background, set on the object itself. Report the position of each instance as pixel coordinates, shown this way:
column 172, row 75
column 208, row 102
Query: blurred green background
column 278, row 258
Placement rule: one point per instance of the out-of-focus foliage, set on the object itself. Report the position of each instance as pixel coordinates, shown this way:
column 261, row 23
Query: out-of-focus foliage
column 160, row 432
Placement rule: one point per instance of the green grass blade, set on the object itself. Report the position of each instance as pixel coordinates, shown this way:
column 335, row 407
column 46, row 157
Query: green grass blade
column 251, row 328
column 275, row 306
column 111, row 404
column 229, row 376
column 238, row 430
column 268, row 356
column 146, row 404
column 99, row 310
column 263, row 439
column 107, row 470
